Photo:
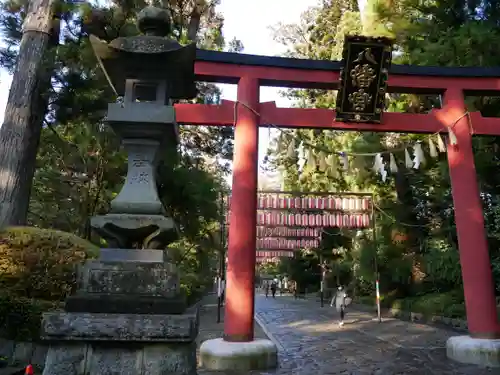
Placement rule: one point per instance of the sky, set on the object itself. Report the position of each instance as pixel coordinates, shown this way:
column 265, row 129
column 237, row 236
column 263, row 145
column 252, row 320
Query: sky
column 249, row 21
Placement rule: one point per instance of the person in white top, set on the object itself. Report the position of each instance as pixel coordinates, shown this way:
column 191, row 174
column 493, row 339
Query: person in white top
column 339, row 300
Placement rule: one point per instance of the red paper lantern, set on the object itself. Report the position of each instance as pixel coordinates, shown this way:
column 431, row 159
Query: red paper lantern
column 359, row 221
column 366, row 204
column 352, row 203
column 304, row 219
column 366, row 220
column 331, row 220
column 328, row 203
column 318, row 203
column 308, row 219
column 311, row 202
column 298, row 219
column 345, row 221
column 359, row 204
column 352, row 221
column 303, row 202
column 297, row 202
column 344, row 204
column 319, row 220
column 282, row 202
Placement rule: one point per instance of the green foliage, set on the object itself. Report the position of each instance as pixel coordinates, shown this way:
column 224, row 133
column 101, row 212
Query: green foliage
column 37, row 271
column 270, row 268
column 449, row 304
column 41, row 263
column 303, row 268
column 20, row 317
column 416, row 245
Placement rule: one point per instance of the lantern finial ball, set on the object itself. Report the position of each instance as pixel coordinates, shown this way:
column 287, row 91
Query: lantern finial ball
column 154, row 21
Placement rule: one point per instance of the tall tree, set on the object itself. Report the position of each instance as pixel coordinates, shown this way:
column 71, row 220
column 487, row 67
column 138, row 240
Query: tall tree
column 79, row 166
column 20, row 132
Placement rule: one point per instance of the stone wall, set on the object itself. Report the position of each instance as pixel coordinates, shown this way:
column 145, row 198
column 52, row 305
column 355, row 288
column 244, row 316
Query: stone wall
column 24, row 353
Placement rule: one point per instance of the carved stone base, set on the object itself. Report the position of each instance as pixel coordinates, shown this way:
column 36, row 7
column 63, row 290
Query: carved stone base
column 132, row 279
column 125, row 344
column 128, row 282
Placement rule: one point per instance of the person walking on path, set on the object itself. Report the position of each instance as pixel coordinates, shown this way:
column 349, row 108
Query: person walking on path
column 266, row 288
column 273, row 289
column 339, row 300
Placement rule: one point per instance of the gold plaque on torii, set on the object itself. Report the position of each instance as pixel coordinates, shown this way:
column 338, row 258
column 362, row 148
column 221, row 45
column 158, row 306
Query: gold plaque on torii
column 363, row 79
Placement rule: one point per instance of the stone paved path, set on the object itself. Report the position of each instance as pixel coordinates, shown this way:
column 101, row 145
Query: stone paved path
column 311, row 343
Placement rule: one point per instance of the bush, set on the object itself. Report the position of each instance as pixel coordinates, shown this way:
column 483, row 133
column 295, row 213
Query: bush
column 449, row 304
column 386, row 299
column 20, row 317
column 41, row 263
column 194, row 287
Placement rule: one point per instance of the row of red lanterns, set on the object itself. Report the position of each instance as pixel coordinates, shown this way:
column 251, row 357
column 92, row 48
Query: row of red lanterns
column 288, row 232
column 284, row 243
column 314, row 220
column 315, row 203
column 272, row 254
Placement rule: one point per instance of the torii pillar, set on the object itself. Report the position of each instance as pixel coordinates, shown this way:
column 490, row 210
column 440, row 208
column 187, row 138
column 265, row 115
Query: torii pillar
column 482, row 345
column 238, row 350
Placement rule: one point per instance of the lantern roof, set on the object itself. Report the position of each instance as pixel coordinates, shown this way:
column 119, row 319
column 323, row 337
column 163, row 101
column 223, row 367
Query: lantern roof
column 149, row 57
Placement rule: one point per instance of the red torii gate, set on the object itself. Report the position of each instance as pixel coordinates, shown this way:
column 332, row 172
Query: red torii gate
column 251, row 72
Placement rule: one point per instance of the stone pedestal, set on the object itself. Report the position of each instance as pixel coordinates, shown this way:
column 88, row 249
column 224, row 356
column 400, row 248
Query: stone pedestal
column 466, row 349
column 220, row 355
column 128, row 281
column 121, row 344
column 127, row 317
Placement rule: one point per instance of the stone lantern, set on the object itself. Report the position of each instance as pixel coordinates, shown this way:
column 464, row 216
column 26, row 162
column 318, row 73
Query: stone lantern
column 128, row 315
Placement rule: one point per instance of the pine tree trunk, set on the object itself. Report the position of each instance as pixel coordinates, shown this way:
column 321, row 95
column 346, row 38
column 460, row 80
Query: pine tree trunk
column 24, row 113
